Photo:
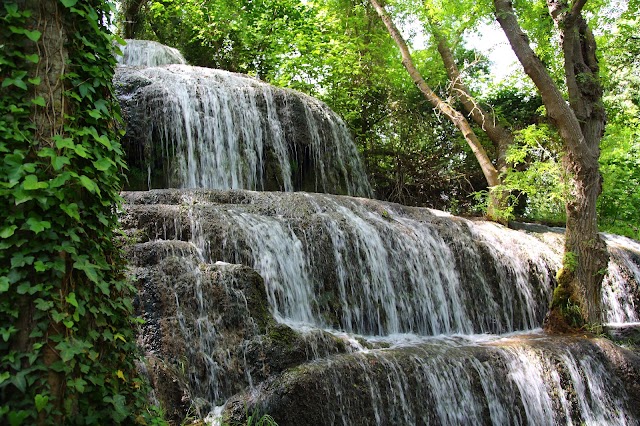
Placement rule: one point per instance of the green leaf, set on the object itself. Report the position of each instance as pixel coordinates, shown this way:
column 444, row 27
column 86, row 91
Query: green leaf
column 33, row 35
column 59, row 162
column 71, row 210
column 69, row 3
column 4, row 284
column 41, row 401
column 103, row 164
column 19, row 381
column 71, row 299
column 63, row 142
column 39, row 101
column 31, row 183
column 38, row 226
column 88, row 183
column 32, row 58
column 19, row 260
column 7, row 231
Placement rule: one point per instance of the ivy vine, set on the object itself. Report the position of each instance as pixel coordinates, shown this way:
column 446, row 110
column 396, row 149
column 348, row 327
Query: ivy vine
column 67, row 340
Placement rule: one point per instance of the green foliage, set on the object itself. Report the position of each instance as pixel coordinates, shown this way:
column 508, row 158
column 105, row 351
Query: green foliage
column 619, row 204
column 66, row 338
column 535, row 177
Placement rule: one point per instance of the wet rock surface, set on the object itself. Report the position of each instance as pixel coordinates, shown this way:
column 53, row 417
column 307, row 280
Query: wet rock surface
column 524, row 380
column 218, row 272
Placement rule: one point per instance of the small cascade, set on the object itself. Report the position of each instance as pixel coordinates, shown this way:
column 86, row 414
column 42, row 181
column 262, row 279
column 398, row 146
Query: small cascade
column 146, row 53
column 370, row 267
column 191, row 127
column 622, row 301
column 518, row 380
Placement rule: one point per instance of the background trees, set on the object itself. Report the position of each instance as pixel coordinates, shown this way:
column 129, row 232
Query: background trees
column 339, row 50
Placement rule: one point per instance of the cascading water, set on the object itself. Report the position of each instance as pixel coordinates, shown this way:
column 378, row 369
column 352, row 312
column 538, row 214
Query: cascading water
column 194, row 127
column 373, row 312
column 146, row 53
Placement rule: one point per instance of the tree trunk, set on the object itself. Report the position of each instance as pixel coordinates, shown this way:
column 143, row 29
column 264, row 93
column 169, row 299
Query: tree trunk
column 47, row 17
column 131, row 19
column 580, row 124
column 501, row 137
column 488, row 169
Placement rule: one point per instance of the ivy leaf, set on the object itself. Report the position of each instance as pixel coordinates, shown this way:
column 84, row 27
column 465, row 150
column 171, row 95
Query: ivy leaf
column 20, row 381
column 88, row 183
column 4, row 284
column 59, row 162
column 71, row 210
column 38, row 226
column 63, row 142
column 19, row 260
column 41, row 401
column 33, row 35
column 39, row 101
column 69, row 3
column 71, row 299
column 88, row 268
column 31, row 183
column 8, row 231
column 103, row 164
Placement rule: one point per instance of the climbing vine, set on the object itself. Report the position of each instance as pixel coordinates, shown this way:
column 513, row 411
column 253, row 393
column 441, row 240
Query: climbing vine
column 67, row 341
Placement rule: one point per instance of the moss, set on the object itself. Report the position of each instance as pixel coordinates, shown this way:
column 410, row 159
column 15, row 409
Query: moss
column 281, row 333
column 565, row 314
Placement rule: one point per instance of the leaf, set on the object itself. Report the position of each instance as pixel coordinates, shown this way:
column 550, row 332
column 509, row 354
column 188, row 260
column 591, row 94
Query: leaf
column 20, row 381
column 71, row 299
column 33, row 35
column 39, row 101
column 120, row 375
column 7, row 231
column 63, row 142
column 38, row 226
column 33, row 58
column 59, row 162
column 69, row 3
column 4, row 284
column 88, row 183
column 31, row 183
column 41, row 401
column 71, row 210
column 103, row 164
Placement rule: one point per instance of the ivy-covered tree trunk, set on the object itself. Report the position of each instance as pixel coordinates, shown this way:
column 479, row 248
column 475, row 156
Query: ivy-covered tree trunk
column 580, row 123
column 67, row 345
column 489, row 171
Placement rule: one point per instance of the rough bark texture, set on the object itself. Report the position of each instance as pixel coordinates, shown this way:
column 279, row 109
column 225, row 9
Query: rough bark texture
column 581, row 125
column 488, row 169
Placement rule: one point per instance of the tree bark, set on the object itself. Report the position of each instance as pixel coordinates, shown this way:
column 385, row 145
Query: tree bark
column 580, row 124
column 132, row 22
column 501, row 137
column 488, row 169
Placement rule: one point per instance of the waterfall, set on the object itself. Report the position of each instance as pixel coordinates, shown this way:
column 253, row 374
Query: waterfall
column 376, row 268
column 330, row 309
column 145, row 53
column 191, row 127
